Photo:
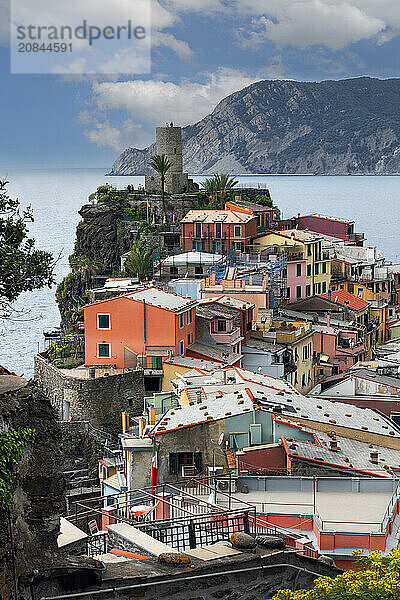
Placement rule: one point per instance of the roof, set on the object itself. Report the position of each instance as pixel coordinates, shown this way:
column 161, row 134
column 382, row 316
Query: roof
column 191, row 363
column 378, row 378
column 228, row 301
column 344, row 298
column 162, row 299
column 218, row 353
column 209, row 409
column 264, row 346
column 216, row 216
column 280, row 397
column 301, row 235
column 352, row 454
column 251, row 205
column 213, row 311
column 328, row 218
column 196, row 258
column 136, row 443
column 325, row 329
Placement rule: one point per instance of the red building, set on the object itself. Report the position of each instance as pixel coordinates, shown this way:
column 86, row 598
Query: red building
column 142, row 329
column 332, row 226
column 217, row 231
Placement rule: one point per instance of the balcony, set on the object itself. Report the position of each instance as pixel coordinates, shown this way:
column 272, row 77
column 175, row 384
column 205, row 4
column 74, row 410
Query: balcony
column 356, row 237
column 225, row 337
column 295, row 256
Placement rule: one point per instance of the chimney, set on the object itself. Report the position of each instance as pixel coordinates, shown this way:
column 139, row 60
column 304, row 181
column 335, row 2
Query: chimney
column 373, row 456
column 333, row 445
column 328, row 319
column 92, row 372
column 198, row 397
column 329, row 295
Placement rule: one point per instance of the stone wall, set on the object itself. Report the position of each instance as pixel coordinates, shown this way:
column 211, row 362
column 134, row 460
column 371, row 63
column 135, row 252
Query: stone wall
column 243, row 577
column 200, row 438
column 99, row 401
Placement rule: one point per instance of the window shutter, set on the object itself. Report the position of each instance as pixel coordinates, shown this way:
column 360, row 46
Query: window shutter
column 173, row 463
column 198, row 461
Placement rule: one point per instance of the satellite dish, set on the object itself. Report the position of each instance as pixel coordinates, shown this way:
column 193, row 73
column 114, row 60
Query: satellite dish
column 220, row 439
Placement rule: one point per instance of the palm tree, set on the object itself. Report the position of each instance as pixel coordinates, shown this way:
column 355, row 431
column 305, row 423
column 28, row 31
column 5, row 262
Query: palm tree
column 224, row 183
column 80, row 263
column 219, row 184
column 140, row 260
column 210, row 188
column 161, row 165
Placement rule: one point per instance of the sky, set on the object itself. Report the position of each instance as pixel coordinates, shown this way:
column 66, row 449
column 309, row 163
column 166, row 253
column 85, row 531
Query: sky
column 202, row 51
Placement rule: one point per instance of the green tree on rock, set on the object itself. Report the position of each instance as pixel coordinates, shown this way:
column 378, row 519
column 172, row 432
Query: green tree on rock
column 12, row 446
column 80, row 263
column 161, row 165
column 22, row 267
column 377, row 579
column 139, row 261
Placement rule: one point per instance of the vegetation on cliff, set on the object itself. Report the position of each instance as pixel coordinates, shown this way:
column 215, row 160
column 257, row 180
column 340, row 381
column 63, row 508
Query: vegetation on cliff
column 12, row 446
column 22, row 267
column 377, row 579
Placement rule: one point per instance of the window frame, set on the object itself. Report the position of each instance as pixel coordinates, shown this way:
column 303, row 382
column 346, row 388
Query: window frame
column 181, row 347
column 181, row 321
column 103, row 344
column 109, row 321
column 235, row 234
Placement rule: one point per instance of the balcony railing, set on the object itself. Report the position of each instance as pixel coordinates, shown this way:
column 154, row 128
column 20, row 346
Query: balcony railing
column 223, row 337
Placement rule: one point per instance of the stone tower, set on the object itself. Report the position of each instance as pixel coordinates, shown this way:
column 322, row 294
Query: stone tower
column 169, row 142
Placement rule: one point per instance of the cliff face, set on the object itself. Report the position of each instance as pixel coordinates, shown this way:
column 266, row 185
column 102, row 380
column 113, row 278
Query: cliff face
column 333, row 127
column 38, row 489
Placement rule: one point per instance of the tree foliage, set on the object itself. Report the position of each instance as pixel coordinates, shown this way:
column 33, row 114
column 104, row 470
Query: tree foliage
column 377, row 579
column 218, row 187
column 80, row 263
column 161, row 165
column 22, row 267
column 12, row 445
column 140, row 260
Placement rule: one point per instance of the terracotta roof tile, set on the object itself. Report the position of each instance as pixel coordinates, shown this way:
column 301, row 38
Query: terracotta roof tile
column 344, row 298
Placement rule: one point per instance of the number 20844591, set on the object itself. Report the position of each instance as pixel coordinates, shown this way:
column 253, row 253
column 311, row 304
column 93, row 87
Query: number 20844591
column 56, row 47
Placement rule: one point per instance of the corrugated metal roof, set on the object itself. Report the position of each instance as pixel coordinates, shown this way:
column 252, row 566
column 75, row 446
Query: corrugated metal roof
column 162, row 299
column 216, row 216
column 351, row 454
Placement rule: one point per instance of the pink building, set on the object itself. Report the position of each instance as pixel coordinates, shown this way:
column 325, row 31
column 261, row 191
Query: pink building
column 337, row 349
column 332, row 226
column 296, row 279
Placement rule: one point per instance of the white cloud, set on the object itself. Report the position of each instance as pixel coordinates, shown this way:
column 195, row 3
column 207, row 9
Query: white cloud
column 330, row 23
column 157, row 102
column 118, row 138
column 302, row 23
column 181, row 48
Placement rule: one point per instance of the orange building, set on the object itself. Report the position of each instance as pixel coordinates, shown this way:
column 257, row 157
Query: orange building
column 142, row 328
column 265, row 215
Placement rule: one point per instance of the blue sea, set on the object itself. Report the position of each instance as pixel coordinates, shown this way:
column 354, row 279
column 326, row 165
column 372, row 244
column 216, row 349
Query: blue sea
column 57, row 195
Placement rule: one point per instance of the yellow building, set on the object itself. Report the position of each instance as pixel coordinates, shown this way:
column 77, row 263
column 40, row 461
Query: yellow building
column 179, row 365
column 301, row 245
column 297, row 336
column 377, row 294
